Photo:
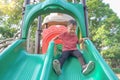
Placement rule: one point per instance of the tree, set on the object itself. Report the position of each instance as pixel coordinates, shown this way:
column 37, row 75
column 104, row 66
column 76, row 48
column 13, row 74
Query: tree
column 104, row 29
column 10, row 17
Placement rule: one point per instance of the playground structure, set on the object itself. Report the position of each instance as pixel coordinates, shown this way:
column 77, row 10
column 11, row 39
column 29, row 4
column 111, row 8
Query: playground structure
column 17, row 63
column 53, row 25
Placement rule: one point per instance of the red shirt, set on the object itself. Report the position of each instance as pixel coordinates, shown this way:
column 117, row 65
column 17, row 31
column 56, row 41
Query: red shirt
column 69, row 41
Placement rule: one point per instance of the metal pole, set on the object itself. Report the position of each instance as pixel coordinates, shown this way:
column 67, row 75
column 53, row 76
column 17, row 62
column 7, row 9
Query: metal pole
column 86, row 16
column 38, row 35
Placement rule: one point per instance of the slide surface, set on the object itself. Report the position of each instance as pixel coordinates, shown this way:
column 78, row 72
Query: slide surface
column 72, row 68
column 17, row 64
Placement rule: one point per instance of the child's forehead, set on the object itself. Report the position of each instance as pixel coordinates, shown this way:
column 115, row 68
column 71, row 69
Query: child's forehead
column 72, row 26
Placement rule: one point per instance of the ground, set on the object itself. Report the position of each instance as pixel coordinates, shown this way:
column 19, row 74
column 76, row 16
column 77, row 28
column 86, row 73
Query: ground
column 118, row 75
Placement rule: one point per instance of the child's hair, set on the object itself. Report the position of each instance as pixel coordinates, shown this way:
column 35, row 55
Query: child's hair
column 73, row 22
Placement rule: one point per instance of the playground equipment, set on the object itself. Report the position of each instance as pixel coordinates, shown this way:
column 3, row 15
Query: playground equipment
column 17, row 64
column 53, row 25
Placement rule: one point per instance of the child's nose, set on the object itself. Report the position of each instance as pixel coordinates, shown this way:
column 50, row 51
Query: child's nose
column 73, row 30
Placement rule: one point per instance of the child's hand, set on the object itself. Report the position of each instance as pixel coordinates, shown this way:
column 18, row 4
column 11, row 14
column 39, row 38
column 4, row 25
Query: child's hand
column 82, row 43
column 81, row 40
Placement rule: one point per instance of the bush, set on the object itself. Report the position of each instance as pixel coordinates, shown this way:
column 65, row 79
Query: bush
column 116, row 70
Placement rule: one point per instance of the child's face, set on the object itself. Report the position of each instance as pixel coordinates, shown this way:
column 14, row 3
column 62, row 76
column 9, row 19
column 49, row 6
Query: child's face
column 71, row 29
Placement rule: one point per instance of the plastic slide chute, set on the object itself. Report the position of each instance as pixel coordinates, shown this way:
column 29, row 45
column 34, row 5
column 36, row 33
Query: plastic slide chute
column 16, row 63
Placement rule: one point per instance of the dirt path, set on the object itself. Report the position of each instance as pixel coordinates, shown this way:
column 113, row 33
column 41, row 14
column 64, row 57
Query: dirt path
column 118, row 75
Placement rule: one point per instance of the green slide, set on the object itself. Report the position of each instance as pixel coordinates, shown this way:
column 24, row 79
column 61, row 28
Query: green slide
column 72, row 69
column 17, row 64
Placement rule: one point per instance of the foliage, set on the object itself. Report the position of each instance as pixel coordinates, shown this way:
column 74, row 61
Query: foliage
column 116, row 70
column 7, row 32
column 10, row 17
